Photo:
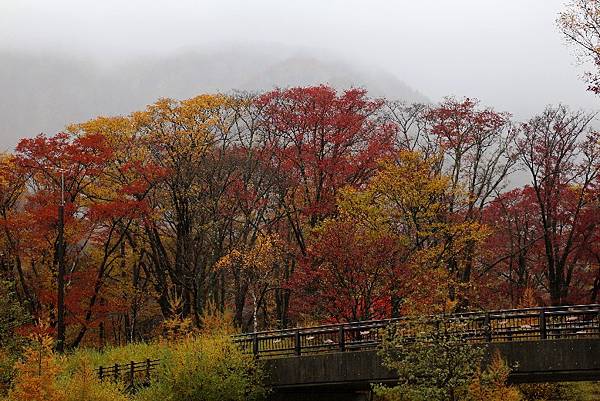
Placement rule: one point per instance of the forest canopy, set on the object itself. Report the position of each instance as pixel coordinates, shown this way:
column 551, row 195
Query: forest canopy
column 300, row 205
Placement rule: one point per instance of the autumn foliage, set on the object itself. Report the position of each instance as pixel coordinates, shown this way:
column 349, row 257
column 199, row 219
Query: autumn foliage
column 299, row 205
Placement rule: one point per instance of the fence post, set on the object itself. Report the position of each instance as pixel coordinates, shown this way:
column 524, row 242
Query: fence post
column 255, row 345
column 342, row 339
column 297, row 345
column 487, row 328
column 543, row 334
column 116, row 372
column 148, row 370
column 131, row 372
column 100, row 372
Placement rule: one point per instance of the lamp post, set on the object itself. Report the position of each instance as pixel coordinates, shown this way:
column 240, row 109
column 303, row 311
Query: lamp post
column 60, row 324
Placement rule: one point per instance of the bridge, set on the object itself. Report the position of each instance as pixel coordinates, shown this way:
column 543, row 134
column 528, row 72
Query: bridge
column 340, row 361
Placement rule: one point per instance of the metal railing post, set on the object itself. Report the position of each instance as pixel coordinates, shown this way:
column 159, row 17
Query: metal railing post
column 297, row 345
column 148, row 370
column 255, row 345
column 487, row 328
column 543, row 334
column 116, row 372
column 101, row 373
column 342, row 339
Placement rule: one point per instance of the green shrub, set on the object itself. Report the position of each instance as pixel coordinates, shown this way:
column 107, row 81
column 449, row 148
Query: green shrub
column 433, row 361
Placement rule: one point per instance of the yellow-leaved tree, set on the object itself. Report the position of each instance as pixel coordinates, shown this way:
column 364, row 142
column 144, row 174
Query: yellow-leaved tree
column 491, row 384
column 37, row 373
column 255, row 268
column 409, row 199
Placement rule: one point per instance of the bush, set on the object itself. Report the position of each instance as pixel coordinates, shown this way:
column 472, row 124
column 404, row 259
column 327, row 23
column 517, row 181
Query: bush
column 432, row 360
column 202, row 366
column 491, row 385
column 206, row 368
column 84, row 385
column 36, row 374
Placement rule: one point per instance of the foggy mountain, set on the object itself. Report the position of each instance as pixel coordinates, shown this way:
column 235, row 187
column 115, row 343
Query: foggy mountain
column 45, row 92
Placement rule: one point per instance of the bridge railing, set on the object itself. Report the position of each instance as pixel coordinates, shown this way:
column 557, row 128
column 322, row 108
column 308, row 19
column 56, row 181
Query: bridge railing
column 528, row 324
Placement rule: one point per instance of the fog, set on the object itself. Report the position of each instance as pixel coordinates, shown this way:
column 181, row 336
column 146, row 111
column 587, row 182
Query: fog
column 64, row 61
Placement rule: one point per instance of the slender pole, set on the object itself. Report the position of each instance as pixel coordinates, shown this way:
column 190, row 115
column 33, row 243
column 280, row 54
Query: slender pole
column 60, row 325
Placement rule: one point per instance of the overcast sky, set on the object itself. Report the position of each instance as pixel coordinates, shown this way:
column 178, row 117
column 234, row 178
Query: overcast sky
column 508, row 53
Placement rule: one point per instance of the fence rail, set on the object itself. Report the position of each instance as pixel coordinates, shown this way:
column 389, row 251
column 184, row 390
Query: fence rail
column 135, row 374
column 530, row 324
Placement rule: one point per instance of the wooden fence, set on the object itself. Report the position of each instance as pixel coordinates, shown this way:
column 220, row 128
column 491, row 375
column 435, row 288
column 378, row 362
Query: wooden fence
column 134, row 374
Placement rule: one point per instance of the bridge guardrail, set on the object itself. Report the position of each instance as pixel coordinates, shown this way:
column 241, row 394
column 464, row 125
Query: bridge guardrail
column 579, row 321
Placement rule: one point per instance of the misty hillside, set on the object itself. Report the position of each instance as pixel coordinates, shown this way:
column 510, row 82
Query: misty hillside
column 43, row 93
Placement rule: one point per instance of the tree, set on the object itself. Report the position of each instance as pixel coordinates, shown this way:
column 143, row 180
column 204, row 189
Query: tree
column 432, row 359
column 256, row 270
column 386, row 249
column 104, row 197
column 118, row 206
column 346, row 276
column 580, row 24
column 592, row 256
column 183, row 138
column 323, row 141
column 204, row 169
column 48, row 162
column 515, row 258
column 511, row 259
column 412, row 132
column 253, row 214
column 491, row 384
column 561, row 153
column 476, row 147
column 36, row 375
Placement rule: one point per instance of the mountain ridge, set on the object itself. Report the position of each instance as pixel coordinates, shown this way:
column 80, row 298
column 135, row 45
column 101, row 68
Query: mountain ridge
column 45, row 92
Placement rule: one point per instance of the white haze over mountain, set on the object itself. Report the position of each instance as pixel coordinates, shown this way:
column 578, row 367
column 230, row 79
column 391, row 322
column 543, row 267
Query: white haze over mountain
column 45, row 92
column 64, row 61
